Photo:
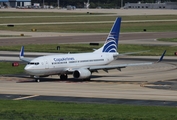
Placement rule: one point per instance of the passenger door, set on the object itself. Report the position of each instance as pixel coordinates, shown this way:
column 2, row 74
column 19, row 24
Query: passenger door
column 46, row 63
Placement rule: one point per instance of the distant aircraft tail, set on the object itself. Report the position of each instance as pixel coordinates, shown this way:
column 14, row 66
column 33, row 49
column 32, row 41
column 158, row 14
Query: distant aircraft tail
column 111, row 43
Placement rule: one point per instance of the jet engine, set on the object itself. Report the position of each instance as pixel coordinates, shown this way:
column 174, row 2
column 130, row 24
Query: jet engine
column 81, row 73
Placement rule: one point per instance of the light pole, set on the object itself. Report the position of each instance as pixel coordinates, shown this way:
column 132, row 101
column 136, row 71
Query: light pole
column 43, row 4
column 58, row 4
column 121, row 3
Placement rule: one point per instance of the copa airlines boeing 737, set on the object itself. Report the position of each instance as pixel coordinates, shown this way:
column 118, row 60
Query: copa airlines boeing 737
column 80, row 65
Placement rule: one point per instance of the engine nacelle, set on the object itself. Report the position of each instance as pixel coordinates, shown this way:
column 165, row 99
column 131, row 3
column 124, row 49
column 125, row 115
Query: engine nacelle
column 15, row 64
column 81, row 73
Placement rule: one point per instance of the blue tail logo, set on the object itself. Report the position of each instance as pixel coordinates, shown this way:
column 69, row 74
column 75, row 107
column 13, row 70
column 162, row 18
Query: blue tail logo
column 111, row 43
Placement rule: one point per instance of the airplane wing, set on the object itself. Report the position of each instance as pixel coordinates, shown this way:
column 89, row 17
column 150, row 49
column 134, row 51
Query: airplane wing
column 109, row 67
column 118, row 67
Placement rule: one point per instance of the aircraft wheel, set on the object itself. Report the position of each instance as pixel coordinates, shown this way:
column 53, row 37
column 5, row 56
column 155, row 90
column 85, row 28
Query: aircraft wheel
column 38, row 80
column 64, row 77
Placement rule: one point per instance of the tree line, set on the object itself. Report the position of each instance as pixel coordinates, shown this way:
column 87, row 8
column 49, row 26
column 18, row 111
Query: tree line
column 94, row 3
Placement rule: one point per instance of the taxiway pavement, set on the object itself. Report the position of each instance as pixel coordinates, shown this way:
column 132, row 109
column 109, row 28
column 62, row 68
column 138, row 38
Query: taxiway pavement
column 154, row 83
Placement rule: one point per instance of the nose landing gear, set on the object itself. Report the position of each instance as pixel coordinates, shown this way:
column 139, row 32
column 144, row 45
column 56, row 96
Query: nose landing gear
column 37, row 79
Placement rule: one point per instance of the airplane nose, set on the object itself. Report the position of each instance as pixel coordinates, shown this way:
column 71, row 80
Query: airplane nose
column 28, row 69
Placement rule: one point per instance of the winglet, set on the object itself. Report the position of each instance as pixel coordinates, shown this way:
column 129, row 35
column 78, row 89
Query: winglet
column 22, row 52
column 161, row 58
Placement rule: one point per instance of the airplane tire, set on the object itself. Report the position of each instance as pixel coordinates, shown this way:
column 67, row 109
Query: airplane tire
column 38, row 80
column 63, row 77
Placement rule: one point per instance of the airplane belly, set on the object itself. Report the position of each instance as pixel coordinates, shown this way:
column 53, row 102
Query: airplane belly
column 48, row 71
column 53, row 71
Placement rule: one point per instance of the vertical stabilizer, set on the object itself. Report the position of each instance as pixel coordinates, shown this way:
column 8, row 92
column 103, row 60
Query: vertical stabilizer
column 111, row 43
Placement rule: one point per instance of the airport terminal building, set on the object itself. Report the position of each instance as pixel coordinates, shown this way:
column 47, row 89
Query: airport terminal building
column 139, row 5
column 14, row 3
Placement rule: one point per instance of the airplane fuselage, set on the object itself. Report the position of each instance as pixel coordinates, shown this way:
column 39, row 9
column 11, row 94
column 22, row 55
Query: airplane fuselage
column 59, row 64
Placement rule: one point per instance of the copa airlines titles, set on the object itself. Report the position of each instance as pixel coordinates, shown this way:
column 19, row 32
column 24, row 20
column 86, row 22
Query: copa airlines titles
column 63, row 59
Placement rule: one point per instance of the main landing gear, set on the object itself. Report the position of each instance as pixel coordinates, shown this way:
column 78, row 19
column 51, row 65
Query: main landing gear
column 63, row 77
column 36, row 78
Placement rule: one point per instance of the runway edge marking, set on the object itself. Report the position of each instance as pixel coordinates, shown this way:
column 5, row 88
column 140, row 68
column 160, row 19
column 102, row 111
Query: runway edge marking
column 21, row 98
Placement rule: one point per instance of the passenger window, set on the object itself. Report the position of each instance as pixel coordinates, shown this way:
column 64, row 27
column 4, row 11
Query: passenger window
column 37, row 63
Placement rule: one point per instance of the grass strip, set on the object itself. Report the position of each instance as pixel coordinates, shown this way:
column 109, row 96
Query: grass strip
column 155, row 50
column 49, row 19
column 41, row 17
column 96, row 27
column 168, row 39
column 6, row 68
column 84, row 16
column 76, row 18
column 44, row 110
column 22, row 14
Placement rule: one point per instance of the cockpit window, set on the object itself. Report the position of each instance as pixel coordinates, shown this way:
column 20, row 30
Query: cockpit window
column 33, row 63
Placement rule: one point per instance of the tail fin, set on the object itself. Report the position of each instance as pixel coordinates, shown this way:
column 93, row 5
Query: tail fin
column 111, row 43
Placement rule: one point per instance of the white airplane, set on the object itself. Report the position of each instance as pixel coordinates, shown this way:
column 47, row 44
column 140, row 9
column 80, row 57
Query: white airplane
column 81, row 65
